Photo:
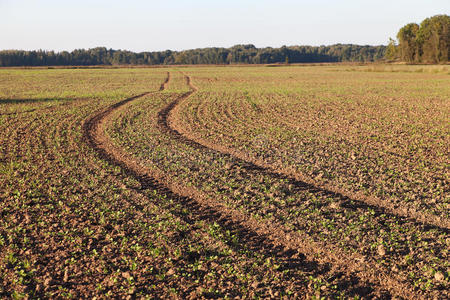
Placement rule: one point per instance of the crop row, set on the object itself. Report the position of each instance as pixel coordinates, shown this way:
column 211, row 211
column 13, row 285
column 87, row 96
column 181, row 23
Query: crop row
column 76, row 222
column 75, row 225
column 407, row 250
column 374, row 136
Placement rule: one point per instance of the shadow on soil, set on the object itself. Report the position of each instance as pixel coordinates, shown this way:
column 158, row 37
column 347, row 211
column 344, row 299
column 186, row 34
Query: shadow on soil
column 38, row 100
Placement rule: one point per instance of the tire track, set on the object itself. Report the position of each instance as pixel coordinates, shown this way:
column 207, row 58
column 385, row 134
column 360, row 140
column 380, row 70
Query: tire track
column 335, row 257
column 257, row 237
column 170, row 125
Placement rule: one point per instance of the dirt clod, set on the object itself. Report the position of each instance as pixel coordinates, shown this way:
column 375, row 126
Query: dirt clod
column 439, row 276
column 381, row 250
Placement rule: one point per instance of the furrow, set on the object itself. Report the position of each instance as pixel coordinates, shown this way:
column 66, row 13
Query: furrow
column 256, row 236
column 372, row 272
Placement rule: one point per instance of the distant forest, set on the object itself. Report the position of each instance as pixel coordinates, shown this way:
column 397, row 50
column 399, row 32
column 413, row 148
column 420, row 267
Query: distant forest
column 239, row 54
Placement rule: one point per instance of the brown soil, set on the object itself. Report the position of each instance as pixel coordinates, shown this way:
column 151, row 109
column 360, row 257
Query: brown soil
column 370, row 272
column 353, row 272
column 299, row 180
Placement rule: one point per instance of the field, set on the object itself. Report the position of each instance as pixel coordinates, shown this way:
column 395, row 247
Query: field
column 314, row 182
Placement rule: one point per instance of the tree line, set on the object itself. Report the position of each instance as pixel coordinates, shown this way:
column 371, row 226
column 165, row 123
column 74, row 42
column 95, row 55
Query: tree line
column 428, row 42
column 239, row 54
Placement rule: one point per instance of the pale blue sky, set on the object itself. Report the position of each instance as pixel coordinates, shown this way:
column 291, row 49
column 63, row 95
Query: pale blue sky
column 153, row 25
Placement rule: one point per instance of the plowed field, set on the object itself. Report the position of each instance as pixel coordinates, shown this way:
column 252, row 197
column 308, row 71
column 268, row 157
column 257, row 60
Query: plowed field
column 224, row 182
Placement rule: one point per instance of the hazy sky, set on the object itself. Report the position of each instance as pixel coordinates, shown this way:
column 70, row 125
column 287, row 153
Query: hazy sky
column 152, row 25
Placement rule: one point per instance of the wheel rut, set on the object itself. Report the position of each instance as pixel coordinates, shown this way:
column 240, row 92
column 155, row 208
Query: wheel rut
column 170, row 125
column 290, row 259
column 369, row 271
column 295, row 251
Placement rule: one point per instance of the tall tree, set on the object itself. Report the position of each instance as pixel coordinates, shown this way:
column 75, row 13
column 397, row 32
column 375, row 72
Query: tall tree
column 391, row 50
column 434, row 37
column 408, row 44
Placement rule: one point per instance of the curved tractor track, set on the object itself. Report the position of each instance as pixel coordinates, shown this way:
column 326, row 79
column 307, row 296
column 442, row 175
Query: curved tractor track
column 293, row 250
column 257, row 240
column 169, row 123
column 290, row 259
